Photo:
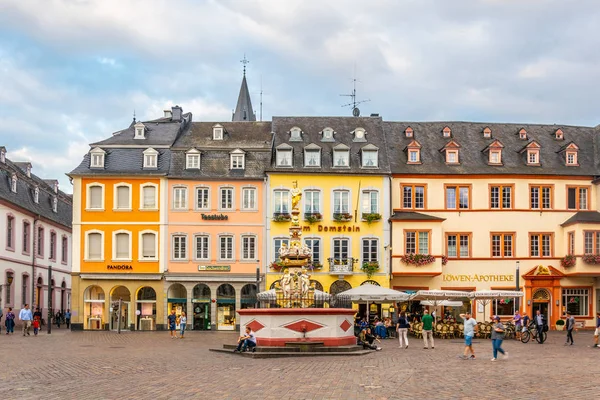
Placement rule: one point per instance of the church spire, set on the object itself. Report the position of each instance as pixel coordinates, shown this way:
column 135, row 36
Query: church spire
column 243, row 109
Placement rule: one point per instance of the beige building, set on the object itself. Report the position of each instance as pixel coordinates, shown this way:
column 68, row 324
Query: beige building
column 497, row 206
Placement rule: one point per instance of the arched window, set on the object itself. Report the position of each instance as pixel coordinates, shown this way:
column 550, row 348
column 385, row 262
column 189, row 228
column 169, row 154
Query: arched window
column 339, row 287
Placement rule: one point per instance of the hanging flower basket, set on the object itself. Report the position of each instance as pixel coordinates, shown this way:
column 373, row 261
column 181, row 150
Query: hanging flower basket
column 342, row 217
column 568, row 261
column 282, row 217
column 371, row 217
column 591, row 259
column 444, row 260
column 418, row 259
column 369, row 268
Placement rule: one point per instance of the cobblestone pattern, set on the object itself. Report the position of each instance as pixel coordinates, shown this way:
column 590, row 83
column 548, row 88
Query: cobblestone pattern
column 143, row 365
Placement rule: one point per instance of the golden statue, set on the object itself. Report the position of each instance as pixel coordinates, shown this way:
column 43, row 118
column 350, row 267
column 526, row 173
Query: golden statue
column 296, row 197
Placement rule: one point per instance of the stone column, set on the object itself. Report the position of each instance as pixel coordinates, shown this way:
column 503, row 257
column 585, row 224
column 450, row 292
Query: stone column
column 213, row 306
column 238, row 304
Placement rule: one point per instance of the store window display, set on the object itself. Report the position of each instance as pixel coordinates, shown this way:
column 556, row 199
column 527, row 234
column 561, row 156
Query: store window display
column 146, row 309
column 94, row 308
column 225, row 307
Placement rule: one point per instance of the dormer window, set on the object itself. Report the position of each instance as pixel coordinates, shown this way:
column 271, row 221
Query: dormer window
column 54, row 204
column 369, row 156
column 487, row 133
column 523, row 134
column 36, row 195
column 13, row 183
column 359, row 135
column 571, row 158
column 295, row 134
column 284, row 156
column 192, row 159
column 414, row 152
column 150, row 158
column 494, row 152
column 451, row 152
column 218, row 132
column 237, row 159
column 571, row 152
column 328, row 135
column 97, row 158
column 559, row 135
column 312, row 156
column 140, row 131
column 408, row 132
column 2, row 154
column 341, row 156
column 447, row 132
column 28, row 170
column 533, row 153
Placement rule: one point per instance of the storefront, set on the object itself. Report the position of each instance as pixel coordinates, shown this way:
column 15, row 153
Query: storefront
column 177, row 300
column 226, row 316
column 201, row 302
column 146, row 309
column 120, row 301
column 248, row 296
column 94, row 308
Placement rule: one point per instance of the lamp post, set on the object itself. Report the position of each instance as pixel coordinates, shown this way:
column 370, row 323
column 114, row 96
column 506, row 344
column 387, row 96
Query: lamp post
column 517, row 300
column 49, row 320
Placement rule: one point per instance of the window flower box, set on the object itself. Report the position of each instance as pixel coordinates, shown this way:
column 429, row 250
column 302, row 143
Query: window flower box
column 342, row 217
column 418, row 259
column 369, row 268
column 371, row 217
column 282, row 217
column 591, row 259
column 311, row 218
column 568, row 261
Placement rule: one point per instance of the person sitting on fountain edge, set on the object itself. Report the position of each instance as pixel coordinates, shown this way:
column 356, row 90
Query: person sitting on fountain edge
column 366, row 338
column 246, row 341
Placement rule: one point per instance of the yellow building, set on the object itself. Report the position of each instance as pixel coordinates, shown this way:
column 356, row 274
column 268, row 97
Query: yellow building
column 340, row 164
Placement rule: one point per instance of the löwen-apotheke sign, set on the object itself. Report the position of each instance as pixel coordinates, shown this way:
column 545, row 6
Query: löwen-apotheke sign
column 477, row 278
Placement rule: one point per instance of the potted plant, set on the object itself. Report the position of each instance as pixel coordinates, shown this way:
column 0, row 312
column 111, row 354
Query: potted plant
column 282, row 217
column 369, row 268
column 560, row 325
column 342, row 217
column 568, row 261
column 371, row 217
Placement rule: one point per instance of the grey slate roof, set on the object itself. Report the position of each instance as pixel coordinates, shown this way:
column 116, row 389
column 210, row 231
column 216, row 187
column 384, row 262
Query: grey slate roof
column 124, row 161
column 413, row 216
column 254, row 138
column 469, row 135
column 343, row 128
column 583, row 217
column 243, row 109
column 24, row 198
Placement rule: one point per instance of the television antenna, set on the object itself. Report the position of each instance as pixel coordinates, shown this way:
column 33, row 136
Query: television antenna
column 353, row 104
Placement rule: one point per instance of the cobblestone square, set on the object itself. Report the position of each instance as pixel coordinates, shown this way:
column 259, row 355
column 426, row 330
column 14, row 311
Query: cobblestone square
column 136, row 365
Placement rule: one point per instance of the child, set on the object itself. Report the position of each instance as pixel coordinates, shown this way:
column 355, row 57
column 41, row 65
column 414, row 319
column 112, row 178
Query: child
column 36, row 326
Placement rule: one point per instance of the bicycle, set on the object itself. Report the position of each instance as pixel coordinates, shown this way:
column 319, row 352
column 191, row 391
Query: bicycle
column 531, row 331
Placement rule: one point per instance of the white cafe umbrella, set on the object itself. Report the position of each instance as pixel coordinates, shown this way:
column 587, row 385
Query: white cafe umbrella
column 437, row 296
column 442, row 303
column 272, row 294
column 368, row 293
column 486, row 296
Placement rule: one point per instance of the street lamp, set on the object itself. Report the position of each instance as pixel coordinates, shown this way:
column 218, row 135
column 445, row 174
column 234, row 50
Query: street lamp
column 517, row 300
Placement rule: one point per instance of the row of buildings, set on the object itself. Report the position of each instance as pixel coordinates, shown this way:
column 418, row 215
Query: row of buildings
column 176, row 214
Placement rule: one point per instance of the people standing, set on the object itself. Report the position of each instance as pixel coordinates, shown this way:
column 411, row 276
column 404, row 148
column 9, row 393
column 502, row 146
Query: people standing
column 597, row 331
column 427, row 329
column 469, row 332
column 68, row 318
column 172, row 319
column 497, row 338
column 540, row 325
column 182, row 324
column 570, row 324
column 402, row 328
column 10, row 321
column 525, row 319
column 57, row 318
column 26, row 317
column 517, row 321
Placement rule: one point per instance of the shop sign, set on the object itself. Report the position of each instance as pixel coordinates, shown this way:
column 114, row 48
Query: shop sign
column 215, row 217
column 477, row 278
column 214, row 267
column 119, row 267
column 333, row 228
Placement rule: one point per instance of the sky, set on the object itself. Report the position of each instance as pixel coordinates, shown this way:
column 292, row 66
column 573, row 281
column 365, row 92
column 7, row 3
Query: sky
column 72, row 72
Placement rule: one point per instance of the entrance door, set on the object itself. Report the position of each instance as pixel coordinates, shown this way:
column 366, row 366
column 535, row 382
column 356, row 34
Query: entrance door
column 114, row 317
column 543, row 307
column 201, row 316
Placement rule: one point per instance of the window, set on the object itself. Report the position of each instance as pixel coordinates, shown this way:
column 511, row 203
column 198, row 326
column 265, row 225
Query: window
column 504, row 306
column 180, row 198
column 13, row 183
column 533, row 156
column 540, row 197
column 503, row 244
column 312, row 157
column 53, row 246
column 314, row 245
column 487, row 133
column 558, row 134
column 148, row 198
column 8, row 296
column 413, row 196
column 26, row 236
column 571, row 245
column 501, row 197
column 249, row 199
column 452, row 156
column 237, row 159
column 312, row 201
column 192, row 159
column 248, row 248
column 277, row 244
column 281, row 201
column 295, row 134
column 10, row 232
column 341, row 249
column 495, row 157
column 408, row 132
column 150, row 158
column 123, row 197
column 416, row 242
column 577, row 198
column 55, row 204
column 139, row 131
column 97, row 158
column 25, row 291
column 328, row 134
column 370, row 250
column 36, row 195
column 540, row 244
column 370, row 201
column 226, row 198
column 217, row 132
column 457, row 197
column 94, row 246
column 148, row 246
column 359, row 135
column 447, row 132
column 64, row 249
column 369, row 158
column 226, row 247
column 179, row 247
column 591, row 242
column 571, row 158
column 341, row 201
column 413, row 156
column 284, row 157
column 202, row 198
column 95, row 197
column 341, row 158
column 576, row 301
column 122, row 246
column 523, row 134
column 202, row 247
column 40, row 241
column 458, row 245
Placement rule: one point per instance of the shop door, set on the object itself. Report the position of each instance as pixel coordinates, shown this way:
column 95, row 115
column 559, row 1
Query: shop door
column 201, row 316
column 543, row 307
column 114, row 316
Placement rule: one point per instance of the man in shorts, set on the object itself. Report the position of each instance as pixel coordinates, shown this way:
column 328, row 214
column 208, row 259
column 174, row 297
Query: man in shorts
column 469, row 331
column 597, row 332
column 172, row 318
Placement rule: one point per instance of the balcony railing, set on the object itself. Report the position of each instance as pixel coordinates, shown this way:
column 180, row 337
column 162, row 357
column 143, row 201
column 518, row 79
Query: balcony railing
column 341, row 266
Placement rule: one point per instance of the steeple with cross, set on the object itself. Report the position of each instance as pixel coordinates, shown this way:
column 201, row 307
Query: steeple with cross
column 243, row 109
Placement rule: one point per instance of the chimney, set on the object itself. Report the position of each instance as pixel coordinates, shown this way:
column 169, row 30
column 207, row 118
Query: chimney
column 177, row 111
column 168, row 114
column 2, row 154
column 28, row 170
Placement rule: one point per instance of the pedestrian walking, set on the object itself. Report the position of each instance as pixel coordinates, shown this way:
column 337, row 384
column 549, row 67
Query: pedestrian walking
column 541, row 325
column 517, row 321
column 182, row 324
column 0, row 319
column 38, row 315
column 26, row 317
column 570, row 324
column 36, row 326
column 57, row 318
column 10, row 321
column 68, row 318
column 470, row 324
column 427, row 330
column 402, row 328
column 172, row 318
column 597, row 331
column 497, row 338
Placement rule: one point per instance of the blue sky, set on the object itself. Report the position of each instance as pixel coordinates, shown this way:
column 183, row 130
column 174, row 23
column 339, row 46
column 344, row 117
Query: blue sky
column 72, row 72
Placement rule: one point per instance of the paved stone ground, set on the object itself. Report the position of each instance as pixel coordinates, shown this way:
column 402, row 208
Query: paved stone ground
column 144, row 365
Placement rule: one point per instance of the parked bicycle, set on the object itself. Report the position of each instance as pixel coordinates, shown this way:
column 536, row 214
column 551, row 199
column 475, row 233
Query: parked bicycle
column 530, row 332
